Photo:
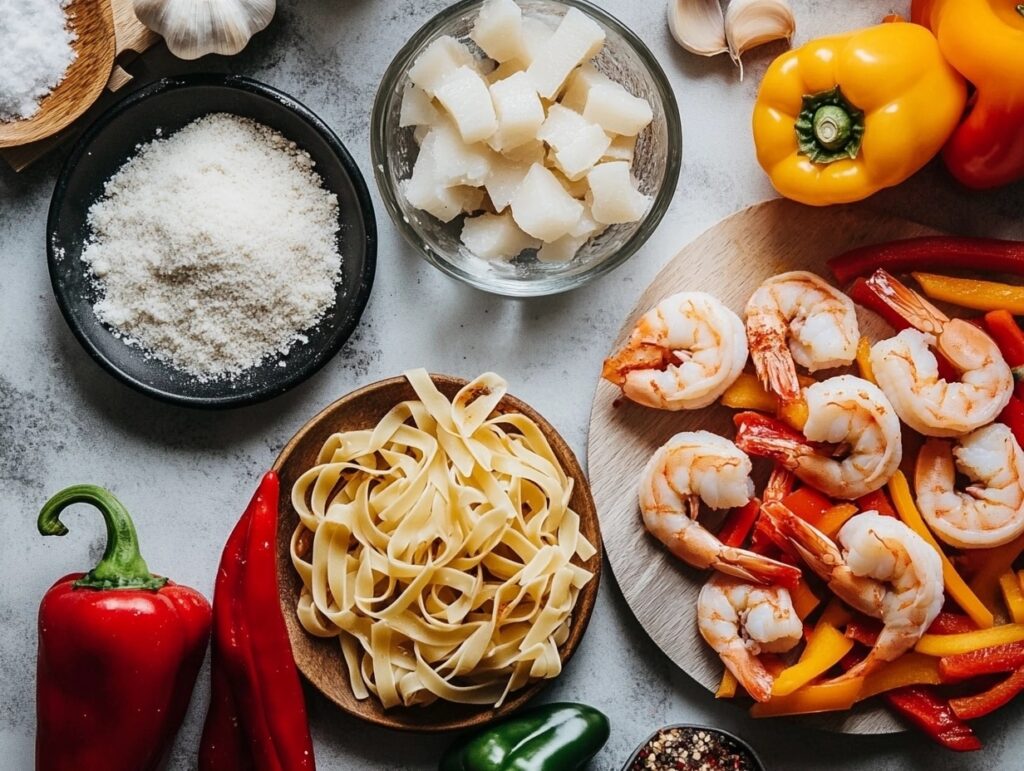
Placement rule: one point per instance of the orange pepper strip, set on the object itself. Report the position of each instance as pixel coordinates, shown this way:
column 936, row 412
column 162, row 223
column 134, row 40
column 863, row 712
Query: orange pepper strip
column 908, row 669
column 804, row 600
column 835, row 518
column 992, row 566
column 746, row 393
column 1012, row 596
column 956, row 587
column 824, row 650
column 727, row 688
column 965, row 642
column 826, row 697
column 864, row 360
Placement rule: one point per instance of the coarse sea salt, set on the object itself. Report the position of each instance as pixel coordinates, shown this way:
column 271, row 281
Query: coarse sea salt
column 215, row 248
column 35, row 53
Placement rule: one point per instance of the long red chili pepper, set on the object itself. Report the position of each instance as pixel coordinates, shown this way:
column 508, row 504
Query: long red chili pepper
column 978, row 704
column 931, row 253
column 252, row 653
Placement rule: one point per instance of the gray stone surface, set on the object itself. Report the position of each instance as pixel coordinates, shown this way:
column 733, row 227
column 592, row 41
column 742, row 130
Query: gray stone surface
column 187, row 475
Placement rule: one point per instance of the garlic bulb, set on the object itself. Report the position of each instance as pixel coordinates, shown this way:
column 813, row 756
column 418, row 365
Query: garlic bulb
column 750, row 23
column 698, row 26
column 194, row 28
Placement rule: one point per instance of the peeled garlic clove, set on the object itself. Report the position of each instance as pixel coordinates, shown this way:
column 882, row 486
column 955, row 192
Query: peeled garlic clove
column 750, row 23
column 698, row 26
column 194, row 28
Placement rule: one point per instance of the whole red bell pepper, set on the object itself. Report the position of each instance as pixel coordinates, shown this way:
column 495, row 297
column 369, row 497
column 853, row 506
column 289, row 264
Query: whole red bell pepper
column 119, row 651
column 984, row 41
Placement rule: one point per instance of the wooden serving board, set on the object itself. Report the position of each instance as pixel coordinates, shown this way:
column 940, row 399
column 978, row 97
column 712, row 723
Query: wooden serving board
column 729, row 261
column 131, row 39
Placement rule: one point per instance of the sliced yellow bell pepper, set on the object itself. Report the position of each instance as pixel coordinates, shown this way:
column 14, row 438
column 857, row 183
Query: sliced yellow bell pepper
column 826, row 697
column 835, row 614
column 727, row 688
column 847, row 115
column 973, row 293
column 804, row 600
column 864, row 360
column 965, row 642
column 823, row 651
column 746, row 393
column 1012, row 596
column 833, row 519
column 993, row 563
column 908, row 669
column 956, row 587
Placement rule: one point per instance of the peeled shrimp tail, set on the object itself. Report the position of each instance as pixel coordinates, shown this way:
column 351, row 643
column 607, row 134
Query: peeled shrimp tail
column 756, row 679
column 757, row 435
column 774, row 364
column 754, row 567
column 918, row 312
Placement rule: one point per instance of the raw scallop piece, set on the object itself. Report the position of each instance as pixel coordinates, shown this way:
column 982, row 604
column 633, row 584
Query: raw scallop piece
column 425, row 191
column 439, row 62
column 579, row 156
column 519, row 111
column 561, row 127
column 536, row 34
column 417, row 108
column 503, row 182
column 495, row 237
column 577, row 39
column 621, row 149
column 614, row 198
column 465, row 96
column 499, row 30
column 616, row 110
column 456, row 162
column 579, row 84
column 543, row 208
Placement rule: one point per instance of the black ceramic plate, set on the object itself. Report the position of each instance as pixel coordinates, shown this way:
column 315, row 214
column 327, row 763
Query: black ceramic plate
column 165, row 107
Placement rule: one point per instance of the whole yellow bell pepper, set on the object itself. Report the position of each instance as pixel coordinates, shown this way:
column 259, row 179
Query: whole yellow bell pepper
column 847, row 115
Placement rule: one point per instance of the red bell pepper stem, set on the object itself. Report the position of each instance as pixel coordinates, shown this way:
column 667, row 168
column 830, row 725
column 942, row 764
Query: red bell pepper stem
column 951, row 623
column 739, row 523
column 877, row 501
column 979, row 704
column 1013, row 417
column 119, row 652
column 930, row 253
column 985, row 661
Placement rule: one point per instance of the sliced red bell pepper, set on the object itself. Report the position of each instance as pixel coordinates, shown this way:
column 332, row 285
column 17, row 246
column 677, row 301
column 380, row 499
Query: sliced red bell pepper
column 864, row 630
column 1003, row 328
column 1013, row 416
column 930, row 253
column 978, row 704
column 877, row 501
column 862, row 294
column 808, row 504
column 985, row 661
column 739, row 523
column 948, row 622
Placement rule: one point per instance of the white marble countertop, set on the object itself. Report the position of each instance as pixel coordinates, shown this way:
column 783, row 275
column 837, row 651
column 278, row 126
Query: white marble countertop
column 187, row 475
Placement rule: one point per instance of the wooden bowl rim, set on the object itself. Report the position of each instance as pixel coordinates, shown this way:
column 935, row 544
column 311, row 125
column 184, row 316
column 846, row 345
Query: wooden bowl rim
column 477, row 715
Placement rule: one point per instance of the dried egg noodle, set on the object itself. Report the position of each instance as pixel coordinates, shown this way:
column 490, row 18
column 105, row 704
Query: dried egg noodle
column 442, row 549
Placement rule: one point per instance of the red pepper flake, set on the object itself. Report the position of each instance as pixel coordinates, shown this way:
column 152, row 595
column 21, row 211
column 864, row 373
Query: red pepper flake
column 685, row 748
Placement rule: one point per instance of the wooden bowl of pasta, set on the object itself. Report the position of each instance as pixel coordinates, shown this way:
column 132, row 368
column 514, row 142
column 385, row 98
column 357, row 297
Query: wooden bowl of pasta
column 457, row 601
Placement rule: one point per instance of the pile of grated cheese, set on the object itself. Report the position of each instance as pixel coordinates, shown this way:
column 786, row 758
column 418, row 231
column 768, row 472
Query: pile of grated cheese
column 35, row 53
column 215, row 248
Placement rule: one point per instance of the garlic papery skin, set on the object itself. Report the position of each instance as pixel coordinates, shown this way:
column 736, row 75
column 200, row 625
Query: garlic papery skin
column 698, row 26
column 194, row 28
column 750, row 23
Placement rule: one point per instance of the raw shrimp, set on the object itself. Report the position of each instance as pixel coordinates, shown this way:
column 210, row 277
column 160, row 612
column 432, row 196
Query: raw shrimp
column 694, row 466
column 682, row 355
column 844, row 410
column 799, row 318
column 884, row 569
column 990, row 512
column 740, row 621
column 907, row 371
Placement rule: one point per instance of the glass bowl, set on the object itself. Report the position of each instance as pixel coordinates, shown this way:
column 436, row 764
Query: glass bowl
column 626, row 60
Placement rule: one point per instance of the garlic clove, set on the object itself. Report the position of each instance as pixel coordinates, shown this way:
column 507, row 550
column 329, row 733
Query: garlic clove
column 194, row 28
column 750, row 23
column 698, row 26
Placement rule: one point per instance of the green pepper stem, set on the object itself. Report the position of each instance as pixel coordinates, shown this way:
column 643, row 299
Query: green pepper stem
column 829, row 128
column 122, row 565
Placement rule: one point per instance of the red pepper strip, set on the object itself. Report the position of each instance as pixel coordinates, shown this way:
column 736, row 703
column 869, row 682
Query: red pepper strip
column 864, row 630
column 739, row 523
column 808, row 504
column 1013, row 416
column 985, row 661
column 1002, row 326
column 978, row 704
column 877, row 501
column 948, row 622
column 862, row 294
column 930, row 253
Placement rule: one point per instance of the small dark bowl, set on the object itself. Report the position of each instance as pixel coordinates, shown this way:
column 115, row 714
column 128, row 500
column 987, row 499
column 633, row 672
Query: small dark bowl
column 758, row 765
column 168, row 105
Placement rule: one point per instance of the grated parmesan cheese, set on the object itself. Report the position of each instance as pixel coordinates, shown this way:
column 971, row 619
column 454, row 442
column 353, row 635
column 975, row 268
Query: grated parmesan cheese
column 215, row 248
column 35, row 52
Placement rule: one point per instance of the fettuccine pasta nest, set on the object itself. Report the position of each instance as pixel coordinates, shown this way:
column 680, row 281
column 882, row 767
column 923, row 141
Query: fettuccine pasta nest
column 444, row 554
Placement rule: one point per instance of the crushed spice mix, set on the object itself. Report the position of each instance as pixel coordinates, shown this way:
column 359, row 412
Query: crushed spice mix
column 684, row 748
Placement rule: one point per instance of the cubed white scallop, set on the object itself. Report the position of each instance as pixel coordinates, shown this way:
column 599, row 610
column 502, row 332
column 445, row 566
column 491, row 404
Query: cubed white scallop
column 613, row 196
column 621, row 149
column 503, row 181
column 417, row 108
column 579, row 84
column 506, row 70
column 498, row 29
column 457, row 162
column 527, row 154
column 542, row 207
column 438, row 62
column 471, row 199
column 616, row 110
column 562, row 250
column 465, row 97
column 561, row 127
column 536, row 34
column 495, row 237
column 425, row 191
column 518, row 109
column 577, row 39
column 587, row 227
column 579, row 156
column 420, row 133
column 578, row 188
